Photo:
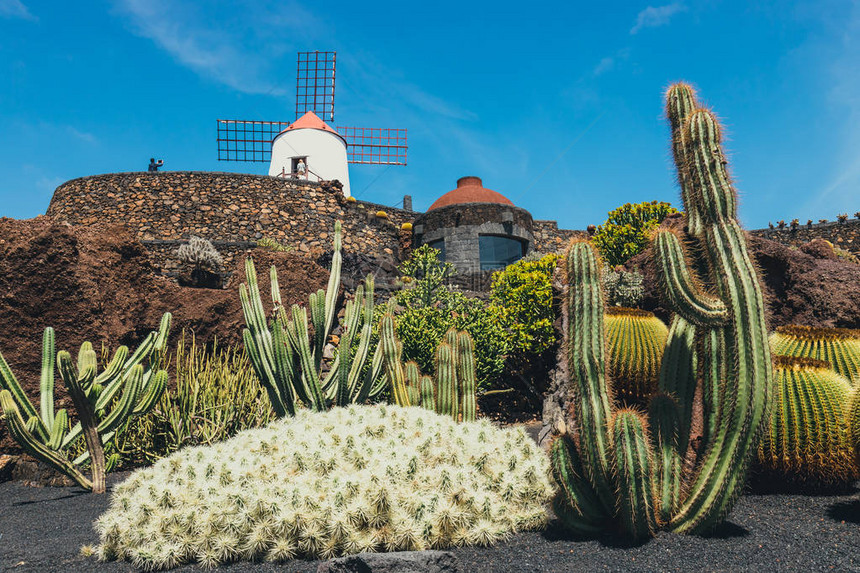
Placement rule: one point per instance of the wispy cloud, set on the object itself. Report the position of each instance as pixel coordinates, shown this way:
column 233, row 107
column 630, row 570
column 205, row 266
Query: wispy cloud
column 655, row 16
column 243, row 52
column 84, row 136
column 609, row 63
column 15, row 9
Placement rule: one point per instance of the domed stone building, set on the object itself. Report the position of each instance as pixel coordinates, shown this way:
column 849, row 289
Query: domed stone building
column 476, row 229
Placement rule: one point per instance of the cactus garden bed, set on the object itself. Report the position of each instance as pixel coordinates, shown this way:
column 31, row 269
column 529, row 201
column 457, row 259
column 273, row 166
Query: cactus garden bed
column 43, row 529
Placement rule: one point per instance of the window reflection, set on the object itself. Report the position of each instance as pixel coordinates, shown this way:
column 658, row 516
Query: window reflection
column 498, row 252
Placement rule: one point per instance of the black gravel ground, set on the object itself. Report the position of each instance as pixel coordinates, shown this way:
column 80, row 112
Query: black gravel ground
column 42, row 529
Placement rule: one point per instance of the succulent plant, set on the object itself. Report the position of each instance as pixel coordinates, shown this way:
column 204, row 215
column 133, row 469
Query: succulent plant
column 323, row 484
column 781, row 224
column 382, row 215
column 200, row 253
column 807, row 434
column 854, row 424
column 288, row 358
column 635, row 342
column 795, row 223
column 840, row 347
column 842, row 217
column 452, row 393
column 127, row 388
column 629, row 468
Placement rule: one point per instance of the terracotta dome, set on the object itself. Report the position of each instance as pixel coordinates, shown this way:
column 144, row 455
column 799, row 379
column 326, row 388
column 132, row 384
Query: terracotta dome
column 469, row 190
column 310, row 120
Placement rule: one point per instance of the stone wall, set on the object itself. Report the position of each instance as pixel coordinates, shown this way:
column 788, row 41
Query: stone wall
column 233, row 210
column 550, row 239
column 844, row 235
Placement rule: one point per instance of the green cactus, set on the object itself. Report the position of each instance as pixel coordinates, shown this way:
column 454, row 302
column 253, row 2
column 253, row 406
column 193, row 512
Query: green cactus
column 628, row 468
column 289, row 361
column 840, row 347
column 807, row 435
column 46, row 435
column 854, row 424
column 453, row 392
column 636, row 339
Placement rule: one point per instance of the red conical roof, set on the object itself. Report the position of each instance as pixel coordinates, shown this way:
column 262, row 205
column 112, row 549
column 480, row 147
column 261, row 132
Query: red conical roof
column 311, row 121
column 469, row 190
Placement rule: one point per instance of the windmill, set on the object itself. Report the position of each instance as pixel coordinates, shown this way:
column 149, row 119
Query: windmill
column 308, row 148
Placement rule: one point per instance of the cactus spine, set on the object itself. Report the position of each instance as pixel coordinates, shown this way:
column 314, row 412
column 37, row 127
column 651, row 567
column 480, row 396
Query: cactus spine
column 840, row 347
column 636, row 339
column 46, row 435
column 289, row 362
column 625, row 467
column 453, row 392
column 807, row 434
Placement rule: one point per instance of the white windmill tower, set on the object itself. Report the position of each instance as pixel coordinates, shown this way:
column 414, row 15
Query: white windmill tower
column 309, row 148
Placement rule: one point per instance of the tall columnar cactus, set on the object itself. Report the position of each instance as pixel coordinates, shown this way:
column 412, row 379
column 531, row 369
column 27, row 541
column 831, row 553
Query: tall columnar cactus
column 636, row 339
column 46, row 435
column 807, row 434
column 840, row 347
column 628, row 467
column 288, row 359
column 452, row 393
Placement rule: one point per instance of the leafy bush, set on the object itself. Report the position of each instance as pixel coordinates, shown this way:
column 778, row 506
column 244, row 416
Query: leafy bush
column 322, row 484
column 522, row 295
column 426, row 308
column 272, row 245
column 625, row 232
column 217, row 395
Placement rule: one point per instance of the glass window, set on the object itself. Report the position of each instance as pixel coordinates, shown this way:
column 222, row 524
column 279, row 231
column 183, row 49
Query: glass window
column 499, row 252
column 439, row 245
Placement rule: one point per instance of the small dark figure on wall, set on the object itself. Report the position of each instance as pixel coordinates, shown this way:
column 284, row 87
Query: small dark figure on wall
column 154, row 165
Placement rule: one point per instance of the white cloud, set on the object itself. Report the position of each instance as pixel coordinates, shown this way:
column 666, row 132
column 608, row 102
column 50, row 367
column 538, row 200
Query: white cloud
column 245, row 51
column 605, row 65
column 84, row 136
column 15, row 9
column 653, row 17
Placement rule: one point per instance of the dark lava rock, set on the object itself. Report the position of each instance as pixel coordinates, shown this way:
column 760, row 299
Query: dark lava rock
column 396, row 562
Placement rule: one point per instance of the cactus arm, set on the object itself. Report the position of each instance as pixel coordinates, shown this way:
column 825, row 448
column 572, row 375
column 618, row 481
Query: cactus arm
column 392, row 351
column 114, row 367
column 119, row 414
column 333, row 286
column 586, row 366
column 46, row 381
column 360, row 387
column 297, row 335
column 576, row 503
column 10, row 383
column 265, row 376
column 34, row 447
column 151, row 394
column 428, row 396
column 664, row 423
column 634, row 466
column 316, row 305
column 375, row 379
column 284, row 376
column 346, row 361
column 446, row 381
column 59, row 429
column 744, row 393
column 677, row 378
column 678, row 286
column 75, row 383
column 680, row 103
column 466, row 375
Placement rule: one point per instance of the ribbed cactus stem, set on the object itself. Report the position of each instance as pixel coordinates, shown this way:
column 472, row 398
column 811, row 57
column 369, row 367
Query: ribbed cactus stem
column 586, row 366
column 446, row 381
column 394, row 368
column 466, row 376
column 428, row 395
column 743, row 393
column 46, row 381
column 634, row 466
column 665, row 427
column 576, row 503
column 680, row 103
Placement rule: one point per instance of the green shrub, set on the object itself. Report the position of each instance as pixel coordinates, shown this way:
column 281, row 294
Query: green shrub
column 625, row 233
column 423, row 278
column 522, row 294
column 322, row 484
column 217, row 395
column 622, row 287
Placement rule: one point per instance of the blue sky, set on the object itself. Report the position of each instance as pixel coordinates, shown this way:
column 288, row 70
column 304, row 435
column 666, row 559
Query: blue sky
column 557, row 105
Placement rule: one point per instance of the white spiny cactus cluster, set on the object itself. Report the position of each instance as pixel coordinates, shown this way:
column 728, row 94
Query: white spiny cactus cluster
column 201, row 253
column 362, row 478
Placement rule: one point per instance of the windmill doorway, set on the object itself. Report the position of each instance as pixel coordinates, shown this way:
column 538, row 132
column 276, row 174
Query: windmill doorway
column 299, row 171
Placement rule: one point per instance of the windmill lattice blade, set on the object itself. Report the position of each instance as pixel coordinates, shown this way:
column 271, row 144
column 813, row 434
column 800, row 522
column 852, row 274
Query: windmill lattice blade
column 315, row 84
column 375, row 145
column 241, row 140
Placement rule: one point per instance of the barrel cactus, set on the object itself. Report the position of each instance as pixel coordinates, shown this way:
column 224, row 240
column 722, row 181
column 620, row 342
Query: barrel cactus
column 127, row 388
column 840, row 347
column 854, row 424
column 323, row 484
column 635, row 342
column 452, row 393
column 807, row 435
column 629, row 468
